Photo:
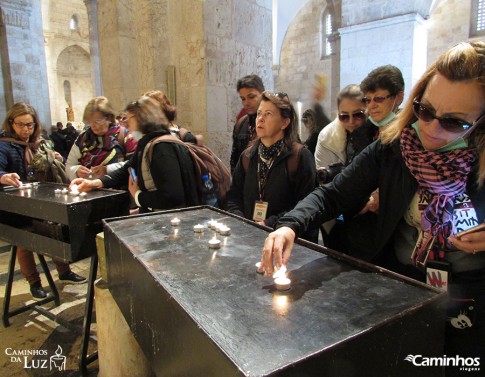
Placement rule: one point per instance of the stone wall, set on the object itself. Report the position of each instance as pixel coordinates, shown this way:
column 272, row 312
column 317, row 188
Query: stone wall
column 67, row 57
column 449, row 24
column 238, row 37
column 207, row 43
column 301, row 58
column 23, row 58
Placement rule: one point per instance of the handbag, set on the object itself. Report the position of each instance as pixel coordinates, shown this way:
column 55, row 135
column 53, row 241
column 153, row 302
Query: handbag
column 47, row 168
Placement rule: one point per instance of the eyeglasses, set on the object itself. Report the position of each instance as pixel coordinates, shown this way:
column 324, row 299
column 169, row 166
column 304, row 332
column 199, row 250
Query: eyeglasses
column 376, row 99
column 99, row 122
column 281, row 95
column 360, row 115
column 23, row 125
column 454, row 125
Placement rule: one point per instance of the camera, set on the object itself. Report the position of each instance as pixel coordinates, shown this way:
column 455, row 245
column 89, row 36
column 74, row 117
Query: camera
column 327, row 174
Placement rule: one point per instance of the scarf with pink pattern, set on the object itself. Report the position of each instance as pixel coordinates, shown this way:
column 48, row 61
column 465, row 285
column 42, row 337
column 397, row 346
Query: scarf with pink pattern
column 442, row 175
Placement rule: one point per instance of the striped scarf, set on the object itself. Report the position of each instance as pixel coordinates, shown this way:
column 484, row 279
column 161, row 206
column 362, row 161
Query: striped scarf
column 100, row 150
column 443, row 176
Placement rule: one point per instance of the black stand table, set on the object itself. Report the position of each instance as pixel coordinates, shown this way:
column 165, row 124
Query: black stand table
column 198, row 311
column 60, row 226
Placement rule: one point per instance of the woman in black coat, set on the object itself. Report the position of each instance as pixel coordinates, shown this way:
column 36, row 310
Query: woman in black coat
column 168, row 181
column 275, row 172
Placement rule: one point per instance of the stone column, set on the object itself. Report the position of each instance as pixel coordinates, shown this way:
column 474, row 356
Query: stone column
column 379, row 32
column 92, row 8
column 22, row 52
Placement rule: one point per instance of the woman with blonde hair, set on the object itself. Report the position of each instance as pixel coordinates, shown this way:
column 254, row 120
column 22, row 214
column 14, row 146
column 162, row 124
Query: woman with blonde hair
column 429, row 166
column 103, row 146
column 168, row 180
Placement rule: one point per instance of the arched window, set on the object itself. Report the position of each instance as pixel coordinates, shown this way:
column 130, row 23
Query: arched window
column 74, row 23
column 477, row 19
column 326, row 31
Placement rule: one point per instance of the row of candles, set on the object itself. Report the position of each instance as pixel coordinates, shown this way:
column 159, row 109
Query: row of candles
column 282, row 283
column 74, row 191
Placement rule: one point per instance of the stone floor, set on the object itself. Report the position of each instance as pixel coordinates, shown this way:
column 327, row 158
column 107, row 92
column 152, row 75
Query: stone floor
column 30, row 331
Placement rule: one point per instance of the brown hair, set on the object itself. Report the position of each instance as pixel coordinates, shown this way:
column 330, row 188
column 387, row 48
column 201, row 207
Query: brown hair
column 148, row 114
column 169, row 110
column 464, row 62
column 287, row 111
column 17, row 110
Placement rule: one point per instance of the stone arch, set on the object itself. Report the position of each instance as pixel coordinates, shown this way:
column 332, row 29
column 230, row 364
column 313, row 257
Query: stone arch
column 73, row 66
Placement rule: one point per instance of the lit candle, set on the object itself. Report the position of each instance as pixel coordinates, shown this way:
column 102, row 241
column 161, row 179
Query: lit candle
column 225, row 230
column 280, row 272
column 57, row 191
column 35, row 183
column 213, row 224
column 175, row 221
column 282, row 283
column 214, row 243
column 26, row 185
column 64, row 190
column 198, row 228
column 83, row 194
column 258, row 268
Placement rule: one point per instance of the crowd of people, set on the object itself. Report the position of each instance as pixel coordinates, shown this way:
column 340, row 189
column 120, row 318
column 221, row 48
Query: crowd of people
column 397, row 180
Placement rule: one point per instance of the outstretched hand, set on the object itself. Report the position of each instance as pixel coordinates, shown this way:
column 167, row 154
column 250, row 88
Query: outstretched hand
column 277, row 249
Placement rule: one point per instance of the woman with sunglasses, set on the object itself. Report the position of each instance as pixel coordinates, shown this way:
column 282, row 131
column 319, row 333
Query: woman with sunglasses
column 103, row 146
column 275, row 171
column 344, row 138
column 19, row 141
column 383, row 94
column 429, row 165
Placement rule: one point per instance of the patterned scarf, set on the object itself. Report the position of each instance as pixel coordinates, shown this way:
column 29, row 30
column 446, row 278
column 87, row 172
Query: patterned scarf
column 443, row 176
column 100, row 150
column 266, row 159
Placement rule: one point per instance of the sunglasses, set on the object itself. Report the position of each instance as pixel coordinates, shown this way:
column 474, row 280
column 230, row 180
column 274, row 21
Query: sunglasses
column 376, row 99
column 24, row 125
column 357, row 115
column 281, row 95
column 449, row 124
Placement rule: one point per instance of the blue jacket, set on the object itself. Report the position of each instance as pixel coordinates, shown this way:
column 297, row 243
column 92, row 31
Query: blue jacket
column 12, row 158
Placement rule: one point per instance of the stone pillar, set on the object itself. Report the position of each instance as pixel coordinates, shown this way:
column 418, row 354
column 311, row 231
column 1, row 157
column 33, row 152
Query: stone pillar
column 379, row 32
column 402, row 42
column 22, row 51
column 238, row 37
column 92, row 7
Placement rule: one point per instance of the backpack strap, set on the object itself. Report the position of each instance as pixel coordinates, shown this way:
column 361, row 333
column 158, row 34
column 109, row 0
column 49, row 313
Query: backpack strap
column 294, row 161
column 239, row 124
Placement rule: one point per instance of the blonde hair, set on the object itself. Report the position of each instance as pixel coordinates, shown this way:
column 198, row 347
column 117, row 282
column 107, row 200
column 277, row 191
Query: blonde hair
column 99, row 104
column 464, row 62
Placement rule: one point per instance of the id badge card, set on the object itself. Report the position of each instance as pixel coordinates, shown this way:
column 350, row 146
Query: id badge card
column 260, row 210
column 438, row 274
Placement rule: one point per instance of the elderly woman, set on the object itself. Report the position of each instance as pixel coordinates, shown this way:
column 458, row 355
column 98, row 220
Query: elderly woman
column 19, row 141
column 429, row 165
column 346, row 136
column 103, row 146
column 275, row 172
column 169, row 180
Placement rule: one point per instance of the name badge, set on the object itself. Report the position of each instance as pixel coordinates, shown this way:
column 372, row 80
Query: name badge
column 260, row 210
column 438, row 274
